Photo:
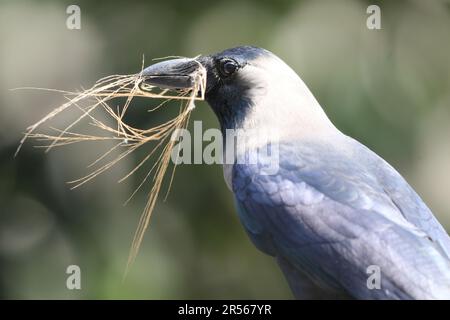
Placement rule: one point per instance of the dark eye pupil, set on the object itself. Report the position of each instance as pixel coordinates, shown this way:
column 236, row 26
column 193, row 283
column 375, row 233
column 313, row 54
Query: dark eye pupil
column 229, row 67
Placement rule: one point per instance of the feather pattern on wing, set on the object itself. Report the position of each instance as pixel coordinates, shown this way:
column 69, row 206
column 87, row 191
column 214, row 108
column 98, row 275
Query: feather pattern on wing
column 333, row 212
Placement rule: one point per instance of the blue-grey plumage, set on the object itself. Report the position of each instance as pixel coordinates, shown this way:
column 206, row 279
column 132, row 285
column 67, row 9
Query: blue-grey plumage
column 333, row 208
column 332, row 218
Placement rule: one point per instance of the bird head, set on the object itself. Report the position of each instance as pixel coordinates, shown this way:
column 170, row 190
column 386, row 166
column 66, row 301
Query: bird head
column 246, row 87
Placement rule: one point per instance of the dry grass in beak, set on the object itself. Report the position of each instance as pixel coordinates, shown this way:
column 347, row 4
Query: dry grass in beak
column 123, row 134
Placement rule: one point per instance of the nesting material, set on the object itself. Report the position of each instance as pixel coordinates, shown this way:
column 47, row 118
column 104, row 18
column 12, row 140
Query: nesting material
column 125, row 137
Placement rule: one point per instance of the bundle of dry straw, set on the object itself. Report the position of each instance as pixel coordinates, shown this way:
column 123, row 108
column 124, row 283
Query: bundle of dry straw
column 124, row 135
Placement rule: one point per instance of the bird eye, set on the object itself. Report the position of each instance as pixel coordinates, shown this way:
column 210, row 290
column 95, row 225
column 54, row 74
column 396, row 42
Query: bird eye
column 228, row 67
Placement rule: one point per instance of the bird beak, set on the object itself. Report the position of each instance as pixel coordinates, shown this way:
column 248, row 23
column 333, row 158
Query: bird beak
column 172, row 74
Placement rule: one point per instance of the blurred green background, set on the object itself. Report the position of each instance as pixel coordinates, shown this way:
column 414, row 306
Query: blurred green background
column 388, row 88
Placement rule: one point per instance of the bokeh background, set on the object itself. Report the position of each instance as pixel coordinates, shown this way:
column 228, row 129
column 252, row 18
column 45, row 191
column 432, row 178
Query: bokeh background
column 388, row 88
